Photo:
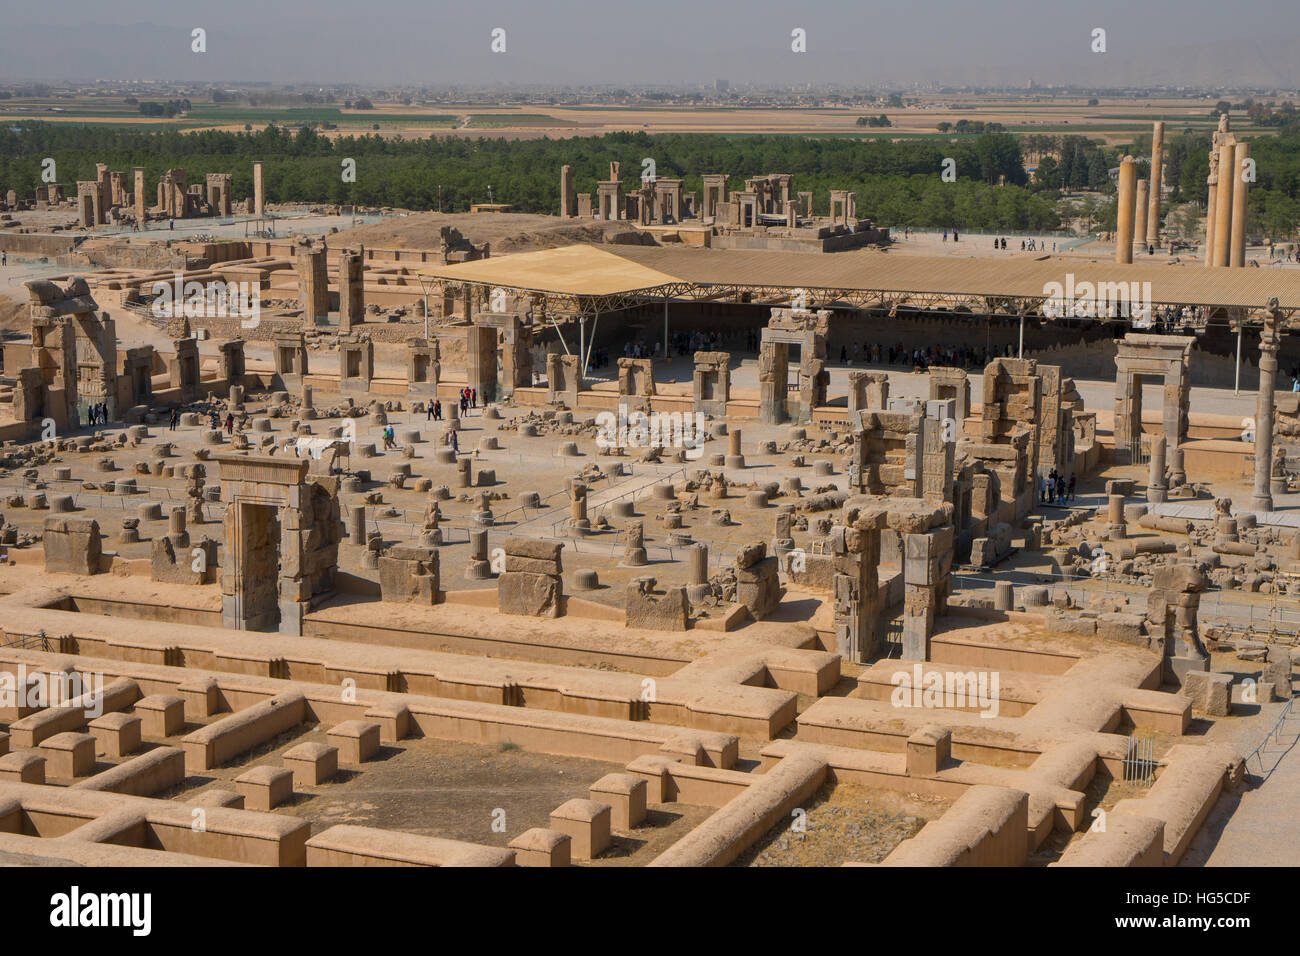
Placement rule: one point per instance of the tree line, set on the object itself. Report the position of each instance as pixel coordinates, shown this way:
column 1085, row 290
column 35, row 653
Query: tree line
column 898, row 183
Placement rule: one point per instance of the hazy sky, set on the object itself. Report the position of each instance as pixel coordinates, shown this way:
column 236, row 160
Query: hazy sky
column 585, row 42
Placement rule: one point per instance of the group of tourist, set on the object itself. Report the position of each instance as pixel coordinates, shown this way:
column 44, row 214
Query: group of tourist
column 97, row 414
column 389, row 437
column 1056, row 490
column 1026, row 245
column 468, row 399
column 955, row 356
column 433, row 412
column 686, row 343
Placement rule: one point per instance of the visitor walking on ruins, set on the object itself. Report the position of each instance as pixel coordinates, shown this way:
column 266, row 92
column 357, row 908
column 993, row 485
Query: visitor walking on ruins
column 230, row 423
column 455, row 442
column 1071, row 486
column 175, row 418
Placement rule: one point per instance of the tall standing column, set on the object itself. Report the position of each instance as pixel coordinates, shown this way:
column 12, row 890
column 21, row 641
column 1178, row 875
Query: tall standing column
column 138, row 195
column 1263, row 501
column 1211, row 206
column 259, row 191
column 1240, row 191
column 1223, row 206
column 1124, row 215
column 1140, row 216
column 1153, row 200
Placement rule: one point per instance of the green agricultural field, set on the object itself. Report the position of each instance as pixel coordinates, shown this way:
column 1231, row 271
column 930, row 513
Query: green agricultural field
column 512, row 120
column 305, row 115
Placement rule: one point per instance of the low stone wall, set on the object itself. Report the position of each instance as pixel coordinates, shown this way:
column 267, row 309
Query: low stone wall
column 153, row 772
column 1185, row 792
column 221, row 741
column 734, row 828
column 1126, row 841
column 987, row 826
column 348, row 845
column 238, row 836
column 28, row 732
column 38, row 244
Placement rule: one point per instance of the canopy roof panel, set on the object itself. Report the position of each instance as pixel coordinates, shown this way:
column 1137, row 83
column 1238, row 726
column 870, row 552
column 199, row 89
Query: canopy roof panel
column 578, row 270
column 618, row 270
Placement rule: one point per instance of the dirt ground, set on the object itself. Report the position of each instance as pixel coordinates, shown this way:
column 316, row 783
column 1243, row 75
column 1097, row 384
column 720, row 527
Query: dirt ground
column 481, row 793
column 845, row 823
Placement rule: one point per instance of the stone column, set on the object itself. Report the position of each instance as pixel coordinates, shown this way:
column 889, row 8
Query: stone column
column 1127, row 207
column 1177, row 471
column 1157, row 171
column 176, row 528
column 1263, row 500
column 734, row 458
column 1240, row 191
column 259, row 191
column 1211, row 206
column 1223, row 206
column 697, row 588
column 699, row 567
column 1116, row 529
column 357, row 525
column 1157, row 491
column 138, row 195
column 477, row 567
column 578, row 510
column 1140, row 216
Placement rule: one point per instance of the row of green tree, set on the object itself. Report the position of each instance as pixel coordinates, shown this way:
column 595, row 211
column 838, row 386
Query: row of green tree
column 898, row 183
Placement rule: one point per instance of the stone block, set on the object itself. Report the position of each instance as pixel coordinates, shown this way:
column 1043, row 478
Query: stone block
column 68, row 755
column 72, row 545
column 928, row 750
column 22, row 767
column 625, row 794
column 162, row 715
column 668, row 610
column 1210, row 692
column 587, row 824
column 116, row 735
column 542, row 847
column 530, row 595
column 356, row 740
column 312, row 764
column 265, row 788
